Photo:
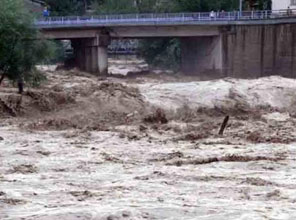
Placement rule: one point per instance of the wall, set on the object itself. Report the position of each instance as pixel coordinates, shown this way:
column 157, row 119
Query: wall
column 257, row 51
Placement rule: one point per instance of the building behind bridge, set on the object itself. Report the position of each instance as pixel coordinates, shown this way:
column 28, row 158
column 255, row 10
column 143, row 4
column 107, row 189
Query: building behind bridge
column 283, row 4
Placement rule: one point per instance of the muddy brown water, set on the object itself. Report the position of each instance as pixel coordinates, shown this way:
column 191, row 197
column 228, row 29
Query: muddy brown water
column 93, row 156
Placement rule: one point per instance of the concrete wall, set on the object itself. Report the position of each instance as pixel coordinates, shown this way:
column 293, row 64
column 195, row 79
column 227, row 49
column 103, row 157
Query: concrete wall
column 256, row 51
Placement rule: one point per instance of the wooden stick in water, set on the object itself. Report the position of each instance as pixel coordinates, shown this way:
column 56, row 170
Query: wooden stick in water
column 224, row 124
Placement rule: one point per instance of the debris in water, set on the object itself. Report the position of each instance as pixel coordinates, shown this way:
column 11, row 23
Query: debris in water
column 227, row 158
column 224, row 124
column 158, row 116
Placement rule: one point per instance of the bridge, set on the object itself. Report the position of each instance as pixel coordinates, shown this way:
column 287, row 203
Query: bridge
column 211, row 42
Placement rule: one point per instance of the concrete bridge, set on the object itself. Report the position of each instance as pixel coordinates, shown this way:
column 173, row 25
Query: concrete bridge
column 247, row 44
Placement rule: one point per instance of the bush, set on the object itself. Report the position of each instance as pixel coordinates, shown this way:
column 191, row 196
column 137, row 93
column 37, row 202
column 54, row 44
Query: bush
column 164, row 53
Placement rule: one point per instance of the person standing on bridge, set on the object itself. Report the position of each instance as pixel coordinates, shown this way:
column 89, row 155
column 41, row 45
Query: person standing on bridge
column 289, row 11
column 222, row 14
column 212, row 15
column 45, row 13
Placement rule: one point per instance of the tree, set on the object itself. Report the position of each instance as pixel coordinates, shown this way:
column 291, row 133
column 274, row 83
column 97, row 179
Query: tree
column 164, row 53
column 206, row 5
column 264, row 4
column 20, row 45
column 258, row 4
column 67, row 7
column 114, row 6
column 132, row 6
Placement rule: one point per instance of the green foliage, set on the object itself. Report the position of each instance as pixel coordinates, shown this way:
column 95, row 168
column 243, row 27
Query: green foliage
column 132, row 6
column 206, row 5
column 20, row 48
column 60, row 51
column 114, row 6
column 34, row 78
column 164, row 53
column 156, row 6
column 67, row 7
column 264, row 4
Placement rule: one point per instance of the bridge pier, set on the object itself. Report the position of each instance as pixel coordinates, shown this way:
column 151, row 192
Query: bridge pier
column 202, row 55
column 91, row 54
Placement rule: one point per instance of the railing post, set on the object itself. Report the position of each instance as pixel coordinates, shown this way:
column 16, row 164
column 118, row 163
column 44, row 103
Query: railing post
column 199, row 16
column 183, row 17
column 252, row 14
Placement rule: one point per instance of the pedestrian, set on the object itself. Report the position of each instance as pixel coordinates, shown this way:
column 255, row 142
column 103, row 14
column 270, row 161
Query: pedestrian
column 289, row 12
column 212, row 15
column 20, row 85
column 45, row 12
column 222, row 14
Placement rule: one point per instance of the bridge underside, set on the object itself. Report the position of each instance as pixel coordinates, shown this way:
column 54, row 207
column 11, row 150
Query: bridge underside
column 133, row 32
column 90, row 45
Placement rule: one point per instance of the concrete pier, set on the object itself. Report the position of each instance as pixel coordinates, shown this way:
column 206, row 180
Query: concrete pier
column 91, row 54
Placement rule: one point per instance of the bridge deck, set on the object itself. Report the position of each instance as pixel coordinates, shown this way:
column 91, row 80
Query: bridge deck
column 216, row 19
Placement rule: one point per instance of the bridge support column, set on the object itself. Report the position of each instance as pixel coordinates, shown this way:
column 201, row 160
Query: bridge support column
column 202, row 56
column 91, row 55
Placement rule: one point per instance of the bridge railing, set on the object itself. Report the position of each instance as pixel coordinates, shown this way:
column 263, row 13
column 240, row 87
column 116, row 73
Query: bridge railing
column 121, row 19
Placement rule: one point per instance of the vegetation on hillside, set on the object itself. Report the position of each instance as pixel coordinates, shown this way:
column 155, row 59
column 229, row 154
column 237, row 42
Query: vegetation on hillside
column 67, row 7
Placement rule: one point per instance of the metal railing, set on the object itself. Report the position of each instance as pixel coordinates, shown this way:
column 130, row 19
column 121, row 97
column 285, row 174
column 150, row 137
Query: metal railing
column 165, row 18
